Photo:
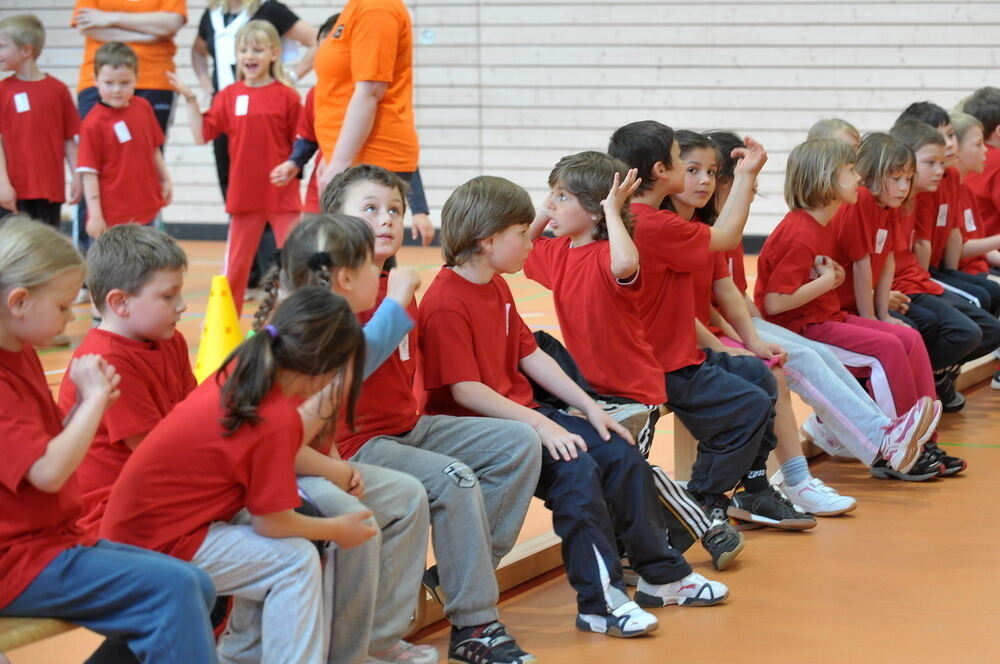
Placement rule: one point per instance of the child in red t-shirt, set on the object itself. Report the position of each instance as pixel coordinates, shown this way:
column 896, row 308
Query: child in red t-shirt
column 223, row 495
column 260, row 114
column 979, row 250
column 135, row 276
column 796, row 287
column 124, row 176
column 38, row 123
column 478, row 358
column 984, row 105
column 151, row 606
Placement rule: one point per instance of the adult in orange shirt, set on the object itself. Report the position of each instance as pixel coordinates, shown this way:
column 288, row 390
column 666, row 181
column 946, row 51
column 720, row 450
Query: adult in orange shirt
column 364, row 95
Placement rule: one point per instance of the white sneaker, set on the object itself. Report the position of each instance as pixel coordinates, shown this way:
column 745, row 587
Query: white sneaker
column 814, row 497
column 626, row 621
column 815, row 432
column 405, row 653
column 692, row 590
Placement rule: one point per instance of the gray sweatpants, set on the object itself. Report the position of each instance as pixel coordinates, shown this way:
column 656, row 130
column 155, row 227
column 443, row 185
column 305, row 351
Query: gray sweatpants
column 277, row 615
column 480, row 474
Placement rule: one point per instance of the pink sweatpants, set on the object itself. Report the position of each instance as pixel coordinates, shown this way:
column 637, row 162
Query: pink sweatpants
column 245, row 231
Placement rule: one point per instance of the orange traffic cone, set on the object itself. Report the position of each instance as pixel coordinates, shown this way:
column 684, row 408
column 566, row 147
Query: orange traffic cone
column 220, row 333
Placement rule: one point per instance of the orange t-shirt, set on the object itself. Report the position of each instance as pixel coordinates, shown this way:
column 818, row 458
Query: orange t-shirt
column 155, row 59
column 372, row 41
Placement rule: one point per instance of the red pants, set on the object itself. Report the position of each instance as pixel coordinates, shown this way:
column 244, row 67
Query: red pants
column 245, row 231
column 895, row 355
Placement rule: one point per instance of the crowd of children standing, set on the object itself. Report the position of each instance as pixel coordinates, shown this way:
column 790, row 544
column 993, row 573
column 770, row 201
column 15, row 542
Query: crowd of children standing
column 303, row 479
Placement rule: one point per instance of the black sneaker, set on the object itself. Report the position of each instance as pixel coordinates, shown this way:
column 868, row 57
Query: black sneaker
column 926, row 468
column 955, row 404
column 432, row 583
column 950, row 465
column 485, row 644
column 723, row 542
column 769, row 508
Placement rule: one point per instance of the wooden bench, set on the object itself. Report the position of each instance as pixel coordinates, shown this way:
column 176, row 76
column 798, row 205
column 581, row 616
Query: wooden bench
column 17, row 632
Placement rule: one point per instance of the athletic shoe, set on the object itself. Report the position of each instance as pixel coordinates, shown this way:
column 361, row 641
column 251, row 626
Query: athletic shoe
column 950, row 465
column 405, row 653
column 768, row 508
column 813, row 496
column 723, row 542
column 692, row 590
column 432, row 583
column 904, row 436
column 955, row 404
column 926, row 468
column 815, row 432
column 995, row 383
column 485, row 644
column 626, row 621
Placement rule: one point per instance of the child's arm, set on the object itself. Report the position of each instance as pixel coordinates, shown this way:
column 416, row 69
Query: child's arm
column 981, row 246
column 92, row 194
column 75, row 183
column 863, row 295
column 624, row 255
column 830, row 275
column 922, row 251
column 345, row 531
column 312, row 462
column 8, row 197
column 705, row 339
column 752, row 306
column 166, row 186
column 732, row 304
column 883, row 296
column 97, row 386
column 195, row 120
column 953, row 250
column 728, row 228
column 540, row 221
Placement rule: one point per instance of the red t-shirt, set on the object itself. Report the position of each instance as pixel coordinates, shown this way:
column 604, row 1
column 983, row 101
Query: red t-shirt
column 910, row 278
column 187, row 474
column 155, row 377
column 35, row 526
column 387, row 406
column 118, row 144
column 937, row 214
column 862, row 229
column 785, row 264
column 670, row 249
column 704, row 280
column 261, row 124
column 472, row 332
column 307, row 131
column 986, row 188
column 971, row 227
column 737, row 267
column 598, row 317
column 36, row 120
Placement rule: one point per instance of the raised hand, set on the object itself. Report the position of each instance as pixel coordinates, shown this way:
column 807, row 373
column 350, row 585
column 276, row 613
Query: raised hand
column 751, row 158
column 621, row 191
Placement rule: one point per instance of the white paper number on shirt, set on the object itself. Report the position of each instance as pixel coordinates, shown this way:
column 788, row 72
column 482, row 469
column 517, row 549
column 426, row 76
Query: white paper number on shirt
column 21, row 103
column 242, row 104
column 122, row 132
column 880, row 238
column 404, row 349
column 970, row 220
column 942, row 219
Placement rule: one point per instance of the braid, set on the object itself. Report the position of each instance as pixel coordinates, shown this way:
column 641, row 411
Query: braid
column 272, row 281
column 320, row 264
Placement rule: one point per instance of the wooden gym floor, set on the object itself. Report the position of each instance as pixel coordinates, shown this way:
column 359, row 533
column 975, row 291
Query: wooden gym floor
column 908, row 577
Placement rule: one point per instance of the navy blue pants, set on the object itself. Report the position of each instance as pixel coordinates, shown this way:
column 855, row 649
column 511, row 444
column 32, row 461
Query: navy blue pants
column 954, row 330
column 606, row 490
column 727, row 403
column 146, row 603
column 977, row 285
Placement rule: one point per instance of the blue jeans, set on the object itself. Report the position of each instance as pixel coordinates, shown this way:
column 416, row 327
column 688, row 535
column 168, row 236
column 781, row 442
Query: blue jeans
column 145, row 602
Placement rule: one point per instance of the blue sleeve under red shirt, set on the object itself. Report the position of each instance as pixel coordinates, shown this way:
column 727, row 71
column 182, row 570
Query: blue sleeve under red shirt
column 36, row 120
column 118, row 145
column 862, row 229
column 35, row 526
column 188, row 474
column 261, row 124
column 472, row 332
column 598, row 317
column 155, row 377
column 786, row 263
column 670, row 249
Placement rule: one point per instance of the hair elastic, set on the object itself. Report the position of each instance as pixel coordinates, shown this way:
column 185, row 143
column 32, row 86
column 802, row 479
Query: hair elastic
column 320, row 260
column 271, row 330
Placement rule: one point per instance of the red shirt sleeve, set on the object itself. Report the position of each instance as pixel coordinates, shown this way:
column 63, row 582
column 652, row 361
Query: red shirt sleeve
column 135, row 411
column 792, row 270
column 680, row 245
column 215, row 121
column 448, row 353
column 293, row 115
column 271, row 483
column 89, row 155
column 537, row 266
column 374, row 46
column 720, row 267
column 24, row 435
column 526, row 342
column 71, row 118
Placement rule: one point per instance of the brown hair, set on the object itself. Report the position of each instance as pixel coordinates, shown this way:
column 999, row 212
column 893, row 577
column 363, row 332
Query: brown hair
column 332, row 199
column 984, row 104
column 881, row 155
column 25, row 30
column 589, row 176
column 480, row 208
column 115, row 55
column 916, row 134
column 828, row 128
column 810, row 178
column 962, row 123
column 126, row 257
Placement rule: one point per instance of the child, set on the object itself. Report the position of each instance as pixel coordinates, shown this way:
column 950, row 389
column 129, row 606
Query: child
column 478, row 356
column 479, row 473
column 592, row 268
column 727, row 402
column 713, row 283
column 797, row 282
column 842, row 130
column 135, row 277
column 147, row 604
column 38, row 124
column 259, row 113
column 223, row 494
column 978, row 249
column 124, row 176
column 984, row 105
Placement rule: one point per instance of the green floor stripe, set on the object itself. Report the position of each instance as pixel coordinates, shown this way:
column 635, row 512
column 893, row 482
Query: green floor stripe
column 968, row 445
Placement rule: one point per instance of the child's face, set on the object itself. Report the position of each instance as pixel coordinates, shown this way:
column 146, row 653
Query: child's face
column 930, row 167
column 674, row 178
column 382, row 207
column 846, row 182
column 700, row 167
column 116, row 85
column 567, row 216
column 254, row 60
column 508, row 249
column 895, row 188
column 951, row 144
column 12, row 56
column 972, row 151
column 359, row 285
column 154, row 311
column 41, row 314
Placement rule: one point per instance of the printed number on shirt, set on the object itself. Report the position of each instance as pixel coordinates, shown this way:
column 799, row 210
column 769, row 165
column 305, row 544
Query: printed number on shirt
column 404, row 349
column 242, row 105
column 970, row 220
column 880, row 237
column 942, row 219
column 122, row 132
column 21, row 103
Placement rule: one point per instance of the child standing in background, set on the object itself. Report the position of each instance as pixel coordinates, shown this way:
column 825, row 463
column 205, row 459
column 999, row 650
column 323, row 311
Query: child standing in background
column 260, row 114
column 38, row 125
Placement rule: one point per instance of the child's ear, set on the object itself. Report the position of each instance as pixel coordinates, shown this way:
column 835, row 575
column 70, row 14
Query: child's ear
column 117, row 303
column 16, row 301
column 660, row 170
column 341, row 280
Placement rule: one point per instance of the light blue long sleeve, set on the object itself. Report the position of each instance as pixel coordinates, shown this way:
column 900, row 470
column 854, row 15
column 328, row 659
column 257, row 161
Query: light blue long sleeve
column 384, row 332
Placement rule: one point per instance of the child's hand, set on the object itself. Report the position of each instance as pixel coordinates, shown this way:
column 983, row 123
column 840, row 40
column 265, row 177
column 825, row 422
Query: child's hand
column 620, row 192
column 424, row 228
column 561, row 444
column 167, row 191
column 899, row 302
column 283, row 173
column 94, row 378
column 825, row 265
column 8, row 197
column 356, row 485
column 96, row 225
column 179, row 85
column 75, row 189
column 606, row 425
column 352, row 529
column 737, row 352
column 768, row 351
column 403, row 283
column 751, row 158
column 542, row 213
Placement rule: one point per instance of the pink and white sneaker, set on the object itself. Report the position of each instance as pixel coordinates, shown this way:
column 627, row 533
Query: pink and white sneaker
column 905, row 436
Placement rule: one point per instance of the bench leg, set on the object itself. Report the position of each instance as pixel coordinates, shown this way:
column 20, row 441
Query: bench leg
column 685, row 451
